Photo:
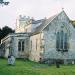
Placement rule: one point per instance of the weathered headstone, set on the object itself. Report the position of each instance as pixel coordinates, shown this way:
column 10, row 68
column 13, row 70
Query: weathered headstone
column 11, row 60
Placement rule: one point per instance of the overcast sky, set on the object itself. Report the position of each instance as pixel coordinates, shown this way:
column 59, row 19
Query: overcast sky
column 34, row 8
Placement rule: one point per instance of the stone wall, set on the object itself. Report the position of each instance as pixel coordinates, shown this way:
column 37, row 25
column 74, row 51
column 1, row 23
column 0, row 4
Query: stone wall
column 36, row 47
column 50, row 38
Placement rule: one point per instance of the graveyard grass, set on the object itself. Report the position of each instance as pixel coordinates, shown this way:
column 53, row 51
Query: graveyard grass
column 22, row 67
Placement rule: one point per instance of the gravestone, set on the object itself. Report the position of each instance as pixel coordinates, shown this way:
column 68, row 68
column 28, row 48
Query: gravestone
column 11, row 60
column 73, row 62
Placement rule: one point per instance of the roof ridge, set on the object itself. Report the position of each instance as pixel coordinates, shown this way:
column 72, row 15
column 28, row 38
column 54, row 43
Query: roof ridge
column 45, row 23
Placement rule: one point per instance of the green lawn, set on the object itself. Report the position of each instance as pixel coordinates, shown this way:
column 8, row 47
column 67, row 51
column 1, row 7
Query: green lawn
column 31, row 68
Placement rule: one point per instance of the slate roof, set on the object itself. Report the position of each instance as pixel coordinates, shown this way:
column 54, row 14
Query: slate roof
column 36, row 21
column 45, row 22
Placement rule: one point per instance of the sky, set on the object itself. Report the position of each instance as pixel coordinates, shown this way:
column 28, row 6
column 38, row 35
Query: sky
column 34, row 8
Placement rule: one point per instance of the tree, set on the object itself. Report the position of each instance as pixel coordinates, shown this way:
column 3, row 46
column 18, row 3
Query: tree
column 5, row 31
column 73, row 23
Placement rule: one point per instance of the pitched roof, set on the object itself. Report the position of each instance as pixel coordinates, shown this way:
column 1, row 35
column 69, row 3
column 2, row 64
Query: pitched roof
column 45, row 22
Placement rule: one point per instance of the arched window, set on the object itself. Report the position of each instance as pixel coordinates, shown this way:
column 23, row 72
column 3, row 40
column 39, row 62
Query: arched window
column 21, row 45
column 65, row 41
column 61, row 41
column 57, row 41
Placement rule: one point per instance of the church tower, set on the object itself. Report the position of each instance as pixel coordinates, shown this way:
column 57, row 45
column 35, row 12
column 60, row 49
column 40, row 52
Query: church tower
column 23, row 24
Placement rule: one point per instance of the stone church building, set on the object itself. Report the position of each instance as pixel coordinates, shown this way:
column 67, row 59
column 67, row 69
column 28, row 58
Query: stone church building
column 42, row 40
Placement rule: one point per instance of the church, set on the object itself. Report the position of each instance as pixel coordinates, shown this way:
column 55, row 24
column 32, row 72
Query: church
column 42, row 40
